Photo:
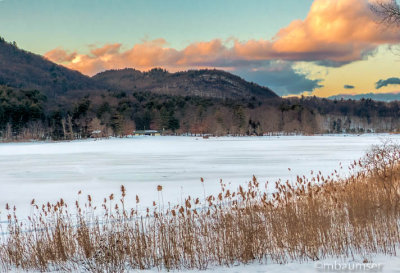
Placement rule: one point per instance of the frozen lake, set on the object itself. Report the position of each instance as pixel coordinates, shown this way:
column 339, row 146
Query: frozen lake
column 49, row 171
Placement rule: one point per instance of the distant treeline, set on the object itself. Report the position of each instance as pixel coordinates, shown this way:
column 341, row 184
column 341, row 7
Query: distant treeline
column 29, row 114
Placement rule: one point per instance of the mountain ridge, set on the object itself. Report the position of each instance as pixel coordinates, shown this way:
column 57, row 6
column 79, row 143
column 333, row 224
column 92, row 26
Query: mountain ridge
column 203, row 83
column 26, row 70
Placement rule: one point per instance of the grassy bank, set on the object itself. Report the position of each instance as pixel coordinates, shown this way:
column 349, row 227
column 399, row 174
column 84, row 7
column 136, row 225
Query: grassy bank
column 307, row 219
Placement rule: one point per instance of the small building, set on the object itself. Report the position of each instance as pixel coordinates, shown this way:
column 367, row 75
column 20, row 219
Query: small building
column 95, row 134
column 146, row 133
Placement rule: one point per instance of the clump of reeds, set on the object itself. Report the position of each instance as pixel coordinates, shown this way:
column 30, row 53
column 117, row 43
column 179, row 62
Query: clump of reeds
column 307, row 219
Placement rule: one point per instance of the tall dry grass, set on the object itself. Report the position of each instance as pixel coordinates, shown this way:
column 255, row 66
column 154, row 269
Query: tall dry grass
column 308, row 219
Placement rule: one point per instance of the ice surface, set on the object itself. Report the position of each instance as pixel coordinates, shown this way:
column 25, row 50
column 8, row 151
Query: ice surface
column 50, row 171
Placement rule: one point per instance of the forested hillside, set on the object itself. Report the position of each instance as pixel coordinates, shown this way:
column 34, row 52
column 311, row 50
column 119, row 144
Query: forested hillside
column 28, row 115
column 25, row 70
column 202, row 83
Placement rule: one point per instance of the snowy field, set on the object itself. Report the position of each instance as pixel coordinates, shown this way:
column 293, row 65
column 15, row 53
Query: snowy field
column 50, row 171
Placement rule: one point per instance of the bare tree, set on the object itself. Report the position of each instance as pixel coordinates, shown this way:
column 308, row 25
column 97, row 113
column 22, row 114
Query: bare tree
column 388, row 11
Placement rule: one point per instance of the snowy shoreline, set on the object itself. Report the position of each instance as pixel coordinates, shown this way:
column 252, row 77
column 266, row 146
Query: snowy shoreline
column 29, row 141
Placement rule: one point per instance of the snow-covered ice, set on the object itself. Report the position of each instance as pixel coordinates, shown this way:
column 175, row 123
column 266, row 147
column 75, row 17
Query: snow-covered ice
column 50, row 171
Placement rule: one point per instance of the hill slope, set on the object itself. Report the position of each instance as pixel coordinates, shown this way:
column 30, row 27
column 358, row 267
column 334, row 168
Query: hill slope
column 202, row 83
column 22, row 69
column 25, row 70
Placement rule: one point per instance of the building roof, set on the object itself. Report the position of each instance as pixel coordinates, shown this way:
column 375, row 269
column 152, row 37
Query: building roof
column 146, row 131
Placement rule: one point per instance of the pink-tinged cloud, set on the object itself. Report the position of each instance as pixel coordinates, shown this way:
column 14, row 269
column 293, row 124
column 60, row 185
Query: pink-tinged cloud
column 334, row 31
column 340, row 31
column 107, row 49
column 59, row 55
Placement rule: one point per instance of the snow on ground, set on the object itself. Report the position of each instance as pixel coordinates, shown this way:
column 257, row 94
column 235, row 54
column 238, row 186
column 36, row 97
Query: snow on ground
column 377, row 263
column 49, row 171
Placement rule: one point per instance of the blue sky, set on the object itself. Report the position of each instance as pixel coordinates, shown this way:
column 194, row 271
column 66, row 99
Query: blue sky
column 41, row 25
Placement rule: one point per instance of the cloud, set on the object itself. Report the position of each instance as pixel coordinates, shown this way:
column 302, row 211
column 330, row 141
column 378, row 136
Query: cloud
column 334, row 32
column 347, row 86
column 280, row 77
column 59, row 55
column 337, row 31
column 106, row 50
column 390, row 81
column 141, row 56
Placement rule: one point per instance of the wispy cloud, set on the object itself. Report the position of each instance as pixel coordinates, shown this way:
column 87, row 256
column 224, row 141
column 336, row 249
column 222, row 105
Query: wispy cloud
column 281, row 77
column 59, row 55
column 390, row 81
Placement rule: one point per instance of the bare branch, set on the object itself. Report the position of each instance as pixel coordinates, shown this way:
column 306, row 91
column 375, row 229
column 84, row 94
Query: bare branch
column 387, row 11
